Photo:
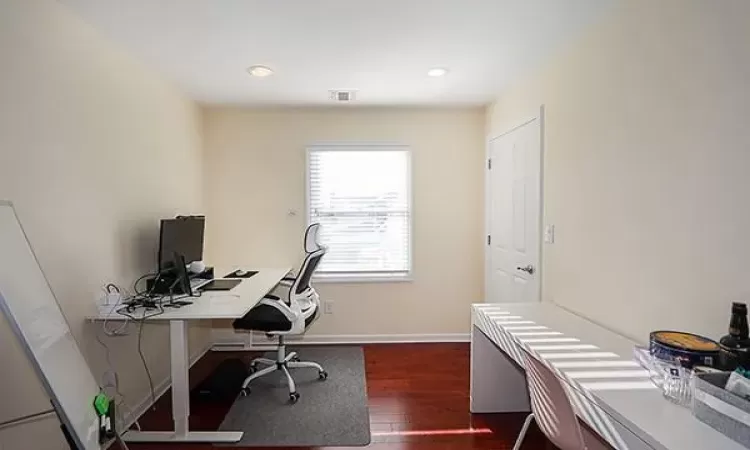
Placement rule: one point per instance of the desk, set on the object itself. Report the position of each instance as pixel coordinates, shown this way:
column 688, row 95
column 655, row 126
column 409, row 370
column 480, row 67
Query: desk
column 609, row 391
column 210, row 305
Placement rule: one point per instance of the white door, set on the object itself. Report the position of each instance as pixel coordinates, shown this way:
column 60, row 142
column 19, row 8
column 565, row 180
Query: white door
column 513, row 215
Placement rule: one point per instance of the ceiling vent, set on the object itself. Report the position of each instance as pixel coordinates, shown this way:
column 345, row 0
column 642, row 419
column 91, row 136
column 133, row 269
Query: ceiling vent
column 343, row 96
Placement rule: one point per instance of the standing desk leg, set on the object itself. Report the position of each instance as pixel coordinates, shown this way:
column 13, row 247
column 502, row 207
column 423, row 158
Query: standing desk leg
column 180, row 362
column 178, row 342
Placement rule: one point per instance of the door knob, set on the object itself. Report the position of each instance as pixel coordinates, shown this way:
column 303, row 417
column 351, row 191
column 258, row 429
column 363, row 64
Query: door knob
column 528, row 269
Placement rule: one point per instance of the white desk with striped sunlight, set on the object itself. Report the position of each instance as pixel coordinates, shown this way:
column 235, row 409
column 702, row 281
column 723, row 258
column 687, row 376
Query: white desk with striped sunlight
column 608, row 389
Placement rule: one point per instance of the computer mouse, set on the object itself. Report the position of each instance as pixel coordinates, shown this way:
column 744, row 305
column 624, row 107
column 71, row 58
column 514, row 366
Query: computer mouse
column 240, row 273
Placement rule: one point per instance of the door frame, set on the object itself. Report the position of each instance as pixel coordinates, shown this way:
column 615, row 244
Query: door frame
column 538, row 115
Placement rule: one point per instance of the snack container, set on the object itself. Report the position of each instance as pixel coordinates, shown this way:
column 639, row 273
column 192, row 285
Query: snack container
column 683, row 349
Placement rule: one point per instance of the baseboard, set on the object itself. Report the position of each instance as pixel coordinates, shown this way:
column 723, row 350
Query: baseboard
column 265, row 344
column 159, row 390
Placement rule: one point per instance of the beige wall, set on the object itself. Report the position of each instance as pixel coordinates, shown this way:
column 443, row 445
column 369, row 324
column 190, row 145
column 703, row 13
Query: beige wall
column 255, row 174
column 94, row 149
column 646, row 172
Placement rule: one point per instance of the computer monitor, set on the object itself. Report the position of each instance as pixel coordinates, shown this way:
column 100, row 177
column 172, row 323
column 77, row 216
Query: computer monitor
column 181, row 235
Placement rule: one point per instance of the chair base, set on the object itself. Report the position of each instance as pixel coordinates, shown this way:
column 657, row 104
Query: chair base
column 283, row 362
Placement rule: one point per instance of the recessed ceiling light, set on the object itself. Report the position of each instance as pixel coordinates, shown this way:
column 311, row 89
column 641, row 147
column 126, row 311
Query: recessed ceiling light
column 437, row 72
column 260, row 71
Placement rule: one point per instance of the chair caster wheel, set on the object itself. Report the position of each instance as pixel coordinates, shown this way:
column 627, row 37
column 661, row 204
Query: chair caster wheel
column 323, row 375
column 245, row 392
column 293, row 397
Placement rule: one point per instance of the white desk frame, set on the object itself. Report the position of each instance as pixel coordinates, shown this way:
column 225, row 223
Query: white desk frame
column 608, row 390
column 211, row 305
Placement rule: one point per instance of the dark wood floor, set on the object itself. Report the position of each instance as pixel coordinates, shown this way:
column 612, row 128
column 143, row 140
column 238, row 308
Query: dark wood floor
column 418, row 398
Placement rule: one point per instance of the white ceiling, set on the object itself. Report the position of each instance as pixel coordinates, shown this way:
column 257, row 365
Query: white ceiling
column 381, row 48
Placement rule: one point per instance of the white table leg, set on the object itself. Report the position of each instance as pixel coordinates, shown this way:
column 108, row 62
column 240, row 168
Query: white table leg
column 497, row 384
column 180, row 361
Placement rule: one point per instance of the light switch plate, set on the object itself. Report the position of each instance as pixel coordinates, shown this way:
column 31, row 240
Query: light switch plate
column 549, row 234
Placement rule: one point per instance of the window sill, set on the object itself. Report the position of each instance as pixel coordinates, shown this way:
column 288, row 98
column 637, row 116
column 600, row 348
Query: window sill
column 362, row 278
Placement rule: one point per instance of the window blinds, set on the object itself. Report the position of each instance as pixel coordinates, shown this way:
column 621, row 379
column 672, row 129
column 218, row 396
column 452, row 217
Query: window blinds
column 361, row 197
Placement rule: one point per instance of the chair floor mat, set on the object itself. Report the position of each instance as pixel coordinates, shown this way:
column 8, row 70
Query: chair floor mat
column 333, row 412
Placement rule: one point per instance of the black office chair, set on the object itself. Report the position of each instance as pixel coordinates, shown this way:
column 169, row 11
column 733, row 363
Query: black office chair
column 289, row 313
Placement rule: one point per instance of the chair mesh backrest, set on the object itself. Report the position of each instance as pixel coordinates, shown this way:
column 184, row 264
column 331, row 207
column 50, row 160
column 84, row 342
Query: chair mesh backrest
column 309, row 265
column 551, row 406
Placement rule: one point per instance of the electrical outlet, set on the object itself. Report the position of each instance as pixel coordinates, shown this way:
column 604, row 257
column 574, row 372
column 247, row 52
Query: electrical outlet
column 328, row 307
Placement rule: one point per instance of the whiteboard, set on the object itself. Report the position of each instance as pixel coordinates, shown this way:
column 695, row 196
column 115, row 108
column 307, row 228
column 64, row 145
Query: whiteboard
column 35, row 316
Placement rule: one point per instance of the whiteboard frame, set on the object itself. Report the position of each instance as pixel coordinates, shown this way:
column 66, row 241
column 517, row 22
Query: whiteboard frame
column 15, row 326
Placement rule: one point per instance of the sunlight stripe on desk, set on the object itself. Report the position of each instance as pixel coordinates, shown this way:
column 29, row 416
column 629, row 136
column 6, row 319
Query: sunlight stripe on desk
column 518, row 322
column 536, row 333
column 593, row 364
column 541, row 348
column 526, row 327
column 618, row 385
column 581, row 355
column 549, row 340
column 593, row 374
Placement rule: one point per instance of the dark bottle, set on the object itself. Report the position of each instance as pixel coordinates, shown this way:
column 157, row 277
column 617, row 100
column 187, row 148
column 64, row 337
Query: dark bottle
column 735, row 346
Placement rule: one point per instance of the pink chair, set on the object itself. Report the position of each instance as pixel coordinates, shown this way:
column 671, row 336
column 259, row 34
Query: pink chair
column 550, row 407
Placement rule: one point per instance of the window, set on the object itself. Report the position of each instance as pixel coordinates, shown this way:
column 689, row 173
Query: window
column 360, row 194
